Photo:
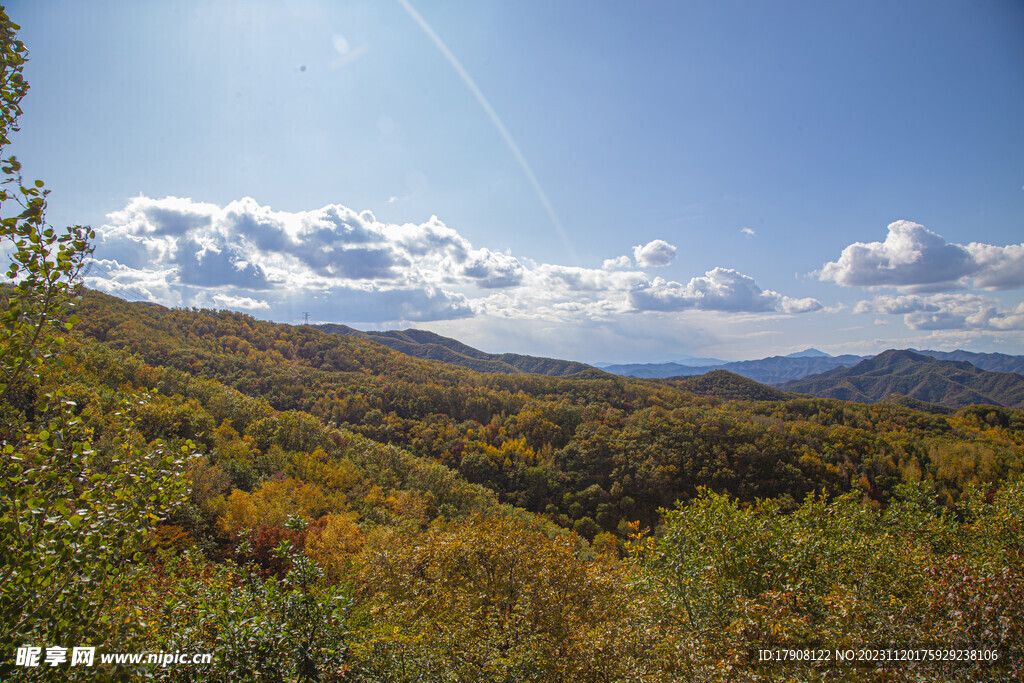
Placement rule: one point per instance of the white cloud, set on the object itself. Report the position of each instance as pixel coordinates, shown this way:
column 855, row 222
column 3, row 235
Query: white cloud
column 617, row 263
column 910, row 256
column 915, row 259
column 384, row 305
column 133, row 284
column 959, row 311
column 572, row 281
column 747, row 232
column 806, row 305
column 891, row 305
column 654, row 254
column 720, row 289
column 563, row 293
column 243, row 302
column 179, row 252
column 347, row 266
column 1001, row 267
column 249, row 246
column 491, row 269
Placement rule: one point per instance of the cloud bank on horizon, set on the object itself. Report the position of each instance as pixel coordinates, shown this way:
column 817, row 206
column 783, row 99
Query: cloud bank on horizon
column 179, row 252
column 348, row 266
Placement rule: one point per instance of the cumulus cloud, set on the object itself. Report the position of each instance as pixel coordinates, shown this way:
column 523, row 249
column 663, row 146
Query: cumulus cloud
column 250, row 246
column 916, row 259
column 179, row 252
column 491, row 269
column 890, row 305
column 959, row 311
column 720, row 289
column 617, row 263
column 562, row 294
column 574, row 281
column 133, row 284
column 384, row 305
column 804, row 305
column 654, row 254
column 347, row 266
column 911, row 255
column 207, row 264
column 747, row 232
column 1000, row 267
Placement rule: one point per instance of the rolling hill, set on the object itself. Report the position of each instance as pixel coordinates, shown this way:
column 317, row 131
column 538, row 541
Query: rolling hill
column 917, row 376
column 730, row 386
column 430, row 346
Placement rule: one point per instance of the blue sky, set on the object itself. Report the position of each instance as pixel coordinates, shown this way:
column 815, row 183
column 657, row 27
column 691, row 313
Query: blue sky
column 599, row 181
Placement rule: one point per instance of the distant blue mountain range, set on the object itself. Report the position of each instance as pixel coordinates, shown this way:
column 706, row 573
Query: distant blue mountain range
column 772, row 371
column 779, row 369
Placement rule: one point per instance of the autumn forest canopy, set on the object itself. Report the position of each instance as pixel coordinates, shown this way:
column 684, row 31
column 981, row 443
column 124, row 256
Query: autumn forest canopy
column 313, row 506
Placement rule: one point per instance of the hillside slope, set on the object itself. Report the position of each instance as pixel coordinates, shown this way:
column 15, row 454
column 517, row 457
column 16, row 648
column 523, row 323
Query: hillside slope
column 591, row 451
column 993, row 362
column 954, row 384
column 431, row 346
column 730, row 386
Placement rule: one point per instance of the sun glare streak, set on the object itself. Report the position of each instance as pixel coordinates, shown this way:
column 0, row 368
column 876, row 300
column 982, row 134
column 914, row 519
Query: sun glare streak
column 493, row 115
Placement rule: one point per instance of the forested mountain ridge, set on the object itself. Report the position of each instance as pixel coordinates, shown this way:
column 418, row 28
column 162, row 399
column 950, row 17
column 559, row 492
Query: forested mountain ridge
column 323, row 517
column 728, row 385
column 772, row 371
column 946, row 382
column 591, row 453
column 993, row 362
column 431, row 346
column 604, row 457
column 779, row 369
column 658, row 370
